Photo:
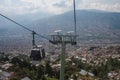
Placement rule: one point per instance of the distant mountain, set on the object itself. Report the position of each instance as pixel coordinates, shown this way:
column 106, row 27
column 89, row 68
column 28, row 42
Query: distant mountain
column 92, row 25
column 85, row 19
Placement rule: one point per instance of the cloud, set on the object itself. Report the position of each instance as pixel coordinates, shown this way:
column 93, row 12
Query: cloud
column 101, row 5
column 15, row 7
column 33, row 6
column 102, row 1
column 61, row 4
column 55, row 6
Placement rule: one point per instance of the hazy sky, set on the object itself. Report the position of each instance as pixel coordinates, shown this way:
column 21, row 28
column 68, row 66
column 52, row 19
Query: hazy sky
column 55, row 6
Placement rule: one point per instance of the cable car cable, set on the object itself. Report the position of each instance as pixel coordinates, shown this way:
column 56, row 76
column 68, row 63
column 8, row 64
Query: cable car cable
column 28, row 28
column 22, row 26
column 16, row 23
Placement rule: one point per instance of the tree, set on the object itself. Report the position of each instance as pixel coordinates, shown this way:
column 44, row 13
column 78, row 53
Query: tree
column 15, row 61
column 43, row 78
column 40, row 72
column 48, row 69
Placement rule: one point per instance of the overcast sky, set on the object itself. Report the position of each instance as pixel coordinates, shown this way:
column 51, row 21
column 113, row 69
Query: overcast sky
column 55, row 6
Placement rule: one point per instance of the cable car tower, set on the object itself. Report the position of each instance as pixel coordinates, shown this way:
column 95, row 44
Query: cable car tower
column 63, row 40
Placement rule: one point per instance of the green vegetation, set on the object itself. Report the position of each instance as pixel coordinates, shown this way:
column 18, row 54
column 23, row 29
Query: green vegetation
column 99, row 71
column 23, row 68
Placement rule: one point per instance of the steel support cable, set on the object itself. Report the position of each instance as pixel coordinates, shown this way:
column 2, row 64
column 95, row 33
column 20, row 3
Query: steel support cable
column 42, row 36
column 23, row 26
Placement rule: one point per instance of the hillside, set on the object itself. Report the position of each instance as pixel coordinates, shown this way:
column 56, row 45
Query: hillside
column 90, row 24
column 93, row 27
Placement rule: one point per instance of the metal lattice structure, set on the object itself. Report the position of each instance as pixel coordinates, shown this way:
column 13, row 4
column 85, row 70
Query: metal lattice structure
column 63, row 39
column 67, row 39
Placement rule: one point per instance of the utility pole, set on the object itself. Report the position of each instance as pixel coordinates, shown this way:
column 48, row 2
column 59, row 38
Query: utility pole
column 63, row 39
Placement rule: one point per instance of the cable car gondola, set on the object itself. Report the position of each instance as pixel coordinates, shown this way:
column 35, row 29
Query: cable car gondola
column 37, row 53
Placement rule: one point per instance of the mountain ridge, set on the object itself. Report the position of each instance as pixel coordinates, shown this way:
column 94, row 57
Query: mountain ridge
column 93, row 28
column 91, row 24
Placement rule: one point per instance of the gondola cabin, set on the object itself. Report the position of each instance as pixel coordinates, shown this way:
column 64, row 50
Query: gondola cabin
column 37, row 53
